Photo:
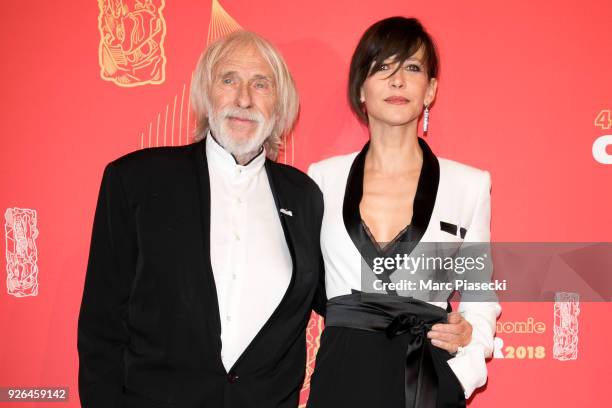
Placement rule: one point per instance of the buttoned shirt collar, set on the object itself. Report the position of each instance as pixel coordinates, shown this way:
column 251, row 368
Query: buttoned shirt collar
column 225, row 161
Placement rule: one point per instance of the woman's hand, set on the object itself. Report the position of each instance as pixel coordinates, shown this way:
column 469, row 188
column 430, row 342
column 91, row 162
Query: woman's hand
column 452, row 335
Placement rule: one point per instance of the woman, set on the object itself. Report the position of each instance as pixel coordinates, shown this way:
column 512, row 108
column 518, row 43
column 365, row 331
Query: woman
column 385, row 202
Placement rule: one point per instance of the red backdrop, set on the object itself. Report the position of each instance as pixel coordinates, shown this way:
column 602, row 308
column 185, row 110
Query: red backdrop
column 525, row 92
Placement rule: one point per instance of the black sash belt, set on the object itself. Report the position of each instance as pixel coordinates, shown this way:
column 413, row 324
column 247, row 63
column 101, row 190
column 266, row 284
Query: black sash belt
column 429, row 380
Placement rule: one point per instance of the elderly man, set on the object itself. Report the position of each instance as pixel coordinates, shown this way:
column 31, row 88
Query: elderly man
column 205, row 262
column 205, row 258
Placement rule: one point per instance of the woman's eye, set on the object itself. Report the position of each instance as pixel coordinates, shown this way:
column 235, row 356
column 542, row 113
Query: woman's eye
column 383, row 67
column 413, row 67
column 227, row 81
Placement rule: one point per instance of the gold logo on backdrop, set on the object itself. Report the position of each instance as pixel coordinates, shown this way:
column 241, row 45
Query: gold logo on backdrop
column 132, row 36
column 313, row 342
column 221, row 23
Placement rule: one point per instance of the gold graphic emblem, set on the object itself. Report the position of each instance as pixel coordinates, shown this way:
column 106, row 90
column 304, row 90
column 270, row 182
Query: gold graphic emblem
column 313, row 341
column 221, row 23
column 132, row 36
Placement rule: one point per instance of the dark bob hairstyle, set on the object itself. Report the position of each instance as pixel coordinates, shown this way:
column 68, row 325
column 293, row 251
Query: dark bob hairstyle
column 397, row 37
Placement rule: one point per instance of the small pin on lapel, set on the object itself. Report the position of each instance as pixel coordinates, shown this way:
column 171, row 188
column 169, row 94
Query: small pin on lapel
column 286, row 212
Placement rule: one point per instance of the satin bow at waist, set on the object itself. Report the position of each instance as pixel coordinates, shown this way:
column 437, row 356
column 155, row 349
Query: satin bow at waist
column 429, row 381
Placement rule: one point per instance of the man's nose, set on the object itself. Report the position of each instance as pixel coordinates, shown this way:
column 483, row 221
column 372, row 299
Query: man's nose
column 243, row 98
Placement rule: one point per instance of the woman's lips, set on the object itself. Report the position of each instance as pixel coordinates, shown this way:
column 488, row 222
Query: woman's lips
column 396, row 100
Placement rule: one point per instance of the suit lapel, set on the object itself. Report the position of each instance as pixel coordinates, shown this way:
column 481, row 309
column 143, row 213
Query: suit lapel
column 204, row 190
column 423, row 205
column 427, row 190
column 282, row 203
column 352, row 216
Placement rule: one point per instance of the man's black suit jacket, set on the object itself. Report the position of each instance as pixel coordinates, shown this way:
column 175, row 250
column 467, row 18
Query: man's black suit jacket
column 149, row 328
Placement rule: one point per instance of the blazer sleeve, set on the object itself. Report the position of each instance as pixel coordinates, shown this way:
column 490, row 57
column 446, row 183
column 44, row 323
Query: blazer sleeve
column 469, row 365
column 102, row 329
column 320, row 298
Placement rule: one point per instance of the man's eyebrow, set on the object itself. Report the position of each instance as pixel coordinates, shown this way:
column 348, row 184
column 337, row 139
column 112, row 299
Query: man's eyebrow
column 227, row 73
column 261, row 76
column 256, row 77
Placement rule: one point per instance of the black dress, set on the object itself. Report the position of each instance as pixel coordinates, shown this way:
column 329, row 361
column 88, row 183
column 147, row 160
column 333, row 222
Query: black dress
column 374, row 349
column 375, row 353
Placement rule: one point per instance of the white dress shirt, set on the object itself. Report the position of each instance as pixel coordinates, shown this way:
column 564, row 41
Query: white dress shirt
column 250, row 259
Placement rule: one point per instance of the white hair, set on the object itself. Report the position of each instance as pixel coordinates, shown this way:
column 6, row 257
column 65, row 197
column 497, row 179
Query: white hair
column 287, row 100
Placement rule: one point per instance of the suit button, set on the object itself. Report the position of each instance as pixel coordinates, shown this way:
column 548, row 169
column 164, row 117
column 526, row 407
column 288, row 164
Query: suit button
column 232, row 378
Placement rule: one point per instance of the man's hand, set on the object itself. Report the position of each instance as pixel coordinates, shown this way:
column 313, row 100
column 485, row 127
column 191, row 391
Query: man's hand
column 449, row 336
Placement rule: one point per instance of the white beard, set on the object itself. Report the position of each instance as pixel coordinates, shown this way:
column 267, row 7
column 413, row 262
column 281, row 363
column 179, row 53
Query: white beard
column 240, row 149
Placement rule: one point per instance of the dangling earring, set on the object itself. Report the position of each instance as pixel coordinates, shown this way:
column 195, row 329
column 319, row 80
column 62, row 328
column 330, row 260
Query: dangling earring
column 426, row 119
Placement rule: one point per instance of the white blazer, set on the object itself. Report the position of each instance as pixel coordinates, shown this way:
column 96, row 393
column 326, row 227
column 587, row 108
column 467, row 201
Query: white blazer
column 452, row 205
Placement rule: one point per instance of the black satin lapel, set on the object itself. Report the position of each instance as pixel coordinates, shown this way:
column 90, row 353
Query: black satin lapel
column 352, row 198
column 352, row 216
column 422, row 208
column 204, row 190
column 425, row 197
column 281, row 202
column 424, row 200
